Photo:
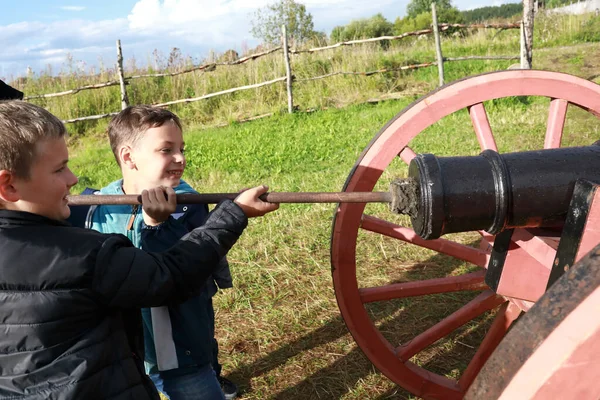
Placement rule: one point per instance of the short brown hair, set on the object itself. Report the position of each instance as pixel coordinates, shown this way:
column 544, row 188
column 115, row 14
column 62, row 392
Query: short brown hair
column 129, row 125
column 22, row 125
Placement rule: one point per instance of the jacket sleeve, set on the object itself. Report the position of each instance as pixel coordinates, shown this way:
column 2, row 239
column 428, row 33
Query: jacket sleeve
column 185, row 219
column 129, row 277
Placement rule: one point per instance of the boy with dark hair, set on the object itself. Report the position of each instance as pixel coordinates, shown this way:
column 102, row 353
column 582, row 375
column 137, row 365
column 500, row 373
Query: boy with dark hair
column 181, row 351
column 70, row 298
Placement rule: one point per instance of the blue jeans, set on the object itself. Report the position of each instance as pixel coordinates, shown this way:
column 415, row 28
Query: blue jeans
column 201, row 383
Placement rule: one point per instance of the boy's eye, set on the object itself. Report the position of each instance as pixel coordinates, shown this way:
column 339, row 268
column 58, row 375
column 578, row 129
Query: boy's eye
column 182, row 150
column 61, row 169
column 165, row 150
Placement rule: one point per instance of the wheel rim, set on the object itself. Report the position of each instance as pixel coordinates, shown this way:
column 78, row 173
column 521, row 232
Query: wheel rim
column 391, row 142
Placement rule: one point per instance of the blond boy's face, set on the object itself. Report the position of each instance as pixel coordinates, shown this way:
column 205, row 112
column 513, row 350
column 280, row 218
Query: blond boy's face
column 159, row 157
column 50, row 180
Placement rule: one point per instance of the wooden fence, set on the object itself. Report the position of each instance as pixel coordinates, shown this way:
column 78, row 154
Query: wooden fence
column 288, row 78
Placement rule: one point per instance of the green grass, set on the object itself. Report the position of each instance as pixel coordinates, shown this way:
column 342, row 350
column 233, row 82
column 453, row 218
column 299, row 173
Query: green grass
column 280, row 331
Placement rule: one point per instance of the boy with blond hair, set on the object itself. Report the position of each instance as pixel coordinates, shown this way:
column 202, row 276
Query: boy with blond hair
column 181, row 351
column 69, row 297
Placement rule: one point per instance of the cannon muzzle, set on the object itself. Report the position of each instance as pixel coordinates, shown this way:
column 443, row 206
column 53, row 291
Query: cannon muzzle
column 493, row 191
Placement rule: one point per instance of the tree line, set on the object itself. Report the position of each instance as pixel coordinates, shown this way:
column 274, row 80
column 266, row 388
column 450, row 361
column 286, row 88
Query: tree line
column 266, row 22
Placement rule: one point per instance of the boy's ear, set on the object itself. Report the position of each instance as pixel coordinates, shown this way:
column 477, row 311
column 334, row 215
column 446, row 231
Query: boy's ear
column 126, row 157
column 8, row 190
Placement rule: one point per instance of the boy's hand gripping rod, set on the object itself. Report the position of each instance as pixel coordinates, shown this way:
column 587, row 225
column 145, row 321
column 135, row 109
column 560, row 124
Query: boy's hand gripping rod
column 403, row 197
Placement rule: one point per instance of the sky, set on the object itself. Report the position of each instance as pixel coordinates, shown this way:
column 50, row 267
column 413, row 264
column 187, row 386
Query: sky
column 43, row 34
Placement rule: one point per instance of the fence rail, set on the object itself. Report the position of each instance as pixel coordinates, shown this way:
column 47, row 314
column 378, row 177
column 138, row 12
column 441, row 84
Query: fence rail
column 289, row 78
column 207, row 96
column 369, row 73
column 210, row 66
column 203, row 67
column 72, row 91
column 442, row 27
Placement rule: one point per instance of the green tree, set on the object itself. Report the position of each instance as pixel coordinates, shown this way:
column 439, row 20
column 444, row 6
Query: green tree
column 416, row 7
column 364, row 28
column 425, row 20
column 491, row 12
column 337, row 33
column 266, row 22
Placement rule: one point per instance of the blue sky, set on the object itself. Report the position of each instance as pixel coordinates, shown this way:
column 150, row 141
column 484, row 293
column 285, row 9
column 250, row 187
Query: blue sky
column 41, row 33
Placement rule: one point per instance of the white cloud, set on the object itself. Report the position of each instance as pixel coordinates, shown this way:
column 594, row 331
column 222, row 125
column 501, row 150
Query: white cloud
column 194, row 26
column 72, row 8
column 225, row 18
column 38, row 44
column 161, row 15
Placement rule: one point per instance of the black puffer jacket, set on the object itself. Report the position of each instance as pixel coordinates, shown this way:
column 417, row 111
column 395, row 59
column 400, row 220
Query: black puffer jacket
column 70, row 325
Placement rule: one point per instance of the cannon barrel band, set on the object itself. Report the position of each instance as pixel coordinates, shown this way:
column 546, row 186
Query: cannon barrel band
column 494, row 192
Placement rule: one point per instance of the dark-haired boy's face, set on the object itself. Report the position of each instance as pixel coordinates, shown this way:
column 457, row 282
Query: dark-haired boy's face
column 50, row 179
column 159, row 157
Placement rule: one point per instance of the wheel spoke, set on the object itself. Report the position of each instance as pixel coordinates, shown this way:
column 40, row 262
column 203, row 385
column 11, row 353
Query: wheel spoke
column 407, row 154
column 472, row 281
column 480, row 304
column 444, row 246
column 482, row 127
column 556, row 123
column 507, row 314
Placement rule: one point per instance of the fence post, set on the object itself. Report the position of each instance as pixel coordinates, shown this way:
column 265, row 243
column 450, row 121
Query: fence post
column 527, row 35
column 124, row 98
column 288, row 69
column 438, row 45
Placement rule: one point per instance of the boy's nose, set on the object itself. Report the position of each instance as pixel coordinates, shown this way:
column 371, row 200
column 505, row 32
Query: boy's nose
column 72, row 179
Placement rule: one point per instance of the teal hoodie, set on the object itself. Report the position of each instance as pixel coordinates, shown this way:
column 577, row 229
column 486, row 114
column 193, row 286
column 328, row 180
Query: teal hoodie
column 118, row 218
column 177, row 336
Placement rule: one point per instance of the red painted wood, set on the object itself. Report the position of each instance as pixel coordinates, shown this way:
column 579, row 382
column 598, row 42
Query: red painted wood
column 382, row 150
column 482, row 303
column 482, row 127
column 444, row 246
column 407, row 154
column 541, row 248
column 472, row 281
column 554, row 350
column 523, row 276
column 556, row 123
column 566, row 365
column 506, row 315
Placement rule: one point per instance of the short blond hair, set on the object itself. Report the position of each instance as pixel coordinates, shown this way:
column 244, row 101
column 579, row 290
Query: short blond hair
column 131, row 123
column 22, row 126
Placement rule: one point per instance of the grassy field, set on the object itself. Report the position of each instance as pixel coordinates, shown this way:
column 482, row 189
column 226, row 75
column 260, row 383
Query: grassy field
column 280, row 331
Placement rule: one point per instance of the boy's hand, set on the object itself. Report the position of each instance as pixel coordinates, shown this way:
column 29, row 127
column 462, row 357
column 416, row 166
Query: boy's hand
column 156, row 207
column 253, row 206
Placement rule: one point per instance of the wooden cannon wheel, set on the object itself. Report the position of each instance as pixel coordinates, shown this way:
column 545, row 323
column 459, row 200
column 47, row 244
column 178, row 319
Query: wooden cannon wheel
column 554, row 350
column 396, row 360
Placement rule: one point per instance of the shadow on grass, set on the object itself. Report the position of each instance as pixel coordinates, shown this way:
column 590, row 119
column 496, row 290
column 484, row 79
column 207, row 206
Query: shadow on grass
column 345, row 374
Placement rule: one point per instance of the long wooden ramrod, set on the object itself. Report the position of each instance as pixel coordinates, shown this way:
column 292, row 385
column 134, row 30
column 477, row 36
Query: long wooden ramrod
column 213, row 198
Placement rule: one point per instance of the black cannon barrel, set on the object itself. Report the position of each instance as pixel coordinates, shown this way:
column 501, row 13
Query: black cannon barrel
column 493, row 191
